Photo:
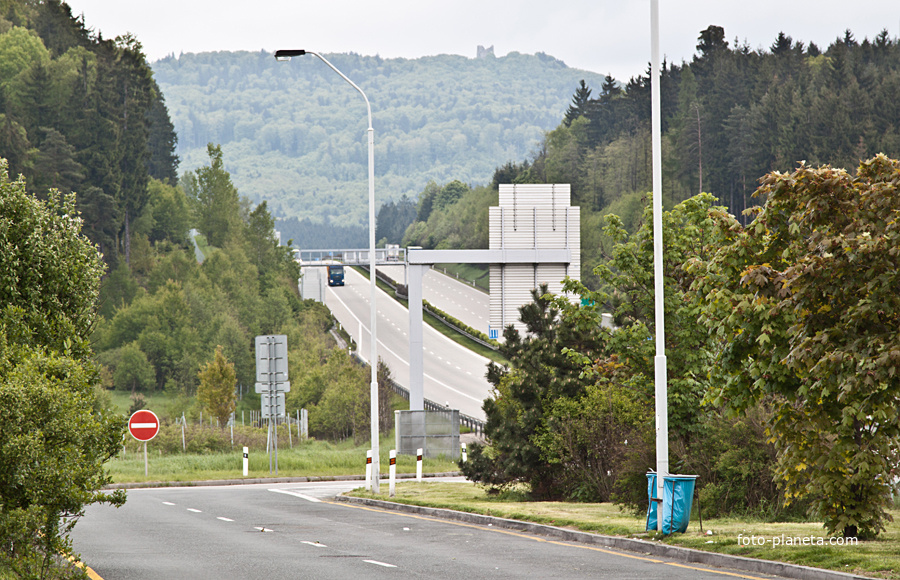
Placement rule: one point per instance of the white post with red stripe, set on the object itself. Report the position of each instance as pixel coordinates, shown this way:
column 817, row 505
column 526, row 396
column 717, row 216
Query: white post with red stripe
column 369, row 470
column 419, row 464
column 393, row 472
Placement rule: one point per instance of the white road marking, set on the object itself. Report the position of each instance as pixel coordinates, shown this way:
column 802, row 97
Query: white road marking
column 168, row 503
column 297, row 494
column 195, row 511
column 316, row 544
column 225, row 519
column 377, row 563
column 262, row 529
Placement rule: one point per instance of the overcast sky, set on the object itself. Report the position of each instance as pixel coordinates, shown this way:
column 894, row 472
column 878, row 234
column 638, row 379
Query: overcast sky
column 603, row 36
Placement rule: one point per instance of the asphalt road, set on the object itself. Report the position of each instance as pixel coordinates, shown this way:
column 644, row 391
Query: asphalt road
column 294, row 531
column 454, row 375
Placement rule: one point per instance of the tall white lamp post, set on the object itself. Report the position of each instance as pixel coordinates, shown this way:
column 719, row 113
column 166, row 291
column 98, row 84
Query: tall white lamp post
column 373, row 358
column 659, row 362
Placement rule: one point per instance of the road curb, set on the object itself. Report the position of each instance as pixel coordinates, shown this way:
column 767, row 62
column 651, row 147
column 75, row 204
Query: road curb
column 629, row 544
column 269, row 480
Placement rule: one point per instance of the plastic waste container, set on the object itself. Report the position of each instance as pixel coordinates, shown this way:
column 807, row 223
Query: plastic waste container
column 678, row 497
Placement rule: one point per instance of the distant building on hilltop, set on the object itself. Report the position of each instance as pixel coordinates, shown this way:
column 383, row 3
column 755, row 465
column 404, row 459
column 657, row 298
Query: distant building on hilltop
column 485, row 52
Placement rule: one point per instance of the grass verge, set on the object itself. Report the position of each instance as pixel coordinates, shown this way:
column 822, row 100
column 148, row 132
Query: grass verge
column 480, row 274
column 878, row 558
column 309, row 459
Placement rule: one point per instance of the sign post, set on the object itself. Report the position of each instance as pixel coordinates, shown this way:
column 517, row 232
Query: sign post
column 144, row 426
column 272, row 384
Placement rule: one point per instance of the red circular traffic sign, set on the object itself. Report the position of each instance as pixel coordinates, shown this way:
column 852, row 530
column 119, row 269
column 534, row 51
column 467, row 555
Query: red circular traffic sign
column 143, row 425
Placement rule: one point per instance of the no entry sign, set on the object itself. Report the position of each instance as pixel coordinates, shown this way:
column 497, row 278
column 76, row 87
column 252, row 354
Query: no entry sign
column 143, row 425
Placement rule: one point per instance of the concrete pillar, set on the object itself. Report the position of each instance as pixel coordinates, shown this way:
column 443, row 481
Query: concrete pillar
column 416, row 342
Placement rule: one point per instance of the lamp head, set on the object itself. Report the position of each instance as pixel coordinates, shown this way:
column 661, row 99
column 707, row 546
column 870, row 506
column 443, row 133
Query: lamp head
column 284, row 55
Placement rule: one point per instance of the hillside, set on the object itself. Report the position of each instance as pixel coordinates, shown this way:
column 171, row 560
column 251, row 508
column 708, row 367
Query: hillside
column 294, row 133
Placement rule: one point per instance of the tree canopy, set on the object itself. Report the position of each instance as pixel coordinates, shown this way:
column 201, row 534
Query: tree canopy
column 805, row 302
column 55, row 437
column 82, row 113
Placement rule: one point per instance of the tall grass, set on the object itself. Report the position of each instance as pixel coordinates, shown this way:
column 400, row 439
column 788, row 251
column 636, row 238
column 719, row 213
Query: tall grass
column 305, row 459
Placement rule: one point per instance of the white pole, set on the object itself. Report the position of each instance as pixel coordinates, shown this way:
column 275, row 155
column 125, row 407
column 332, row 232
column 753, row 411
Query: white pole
column 146, row 467
column 393, row 472
column 465, row 454
column 369, row 470
column 246, row 461
column 183, row 446
column 419, row 464
column 659, row 362
column 373, row 358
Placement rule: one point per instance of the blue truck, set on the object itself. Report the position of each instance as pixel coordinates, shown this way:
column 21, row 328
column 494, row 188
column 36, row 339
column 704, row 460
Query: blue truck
column 335, row 275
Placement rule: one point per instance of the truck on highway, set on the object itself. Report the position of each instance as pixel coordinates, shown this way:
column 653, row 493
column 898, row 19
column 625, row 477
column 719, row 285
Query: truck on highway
column 335, row 275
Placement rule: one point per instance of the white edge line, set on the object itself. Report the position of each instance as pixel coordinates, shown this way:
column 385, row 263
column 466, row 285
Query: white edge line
column 297, row 494
column 377, row 563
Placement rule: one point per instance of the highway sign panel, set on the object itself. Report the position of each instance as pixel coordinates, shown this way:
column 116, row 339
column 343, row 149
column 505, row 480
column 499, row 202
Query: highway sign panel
column 273, row 406
column 271, row 358
column 284, row 387
column 143, row 425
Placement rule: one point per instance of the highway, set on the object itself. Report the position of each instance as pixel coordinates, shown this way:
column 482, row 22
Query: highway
column 458, row 299
column 276, row 531
column 454, row 375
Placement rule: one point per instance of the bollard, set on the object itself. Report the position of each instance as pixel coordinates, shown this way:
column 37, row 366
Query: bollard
column 465, row 454
column 393, row 472
column 419, row 464
column 246, row 461
column 369, row 470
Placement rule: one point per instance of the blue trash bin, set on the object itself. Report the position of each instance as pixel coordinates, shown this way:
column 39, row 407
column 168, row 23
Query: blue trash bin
column 678, row 496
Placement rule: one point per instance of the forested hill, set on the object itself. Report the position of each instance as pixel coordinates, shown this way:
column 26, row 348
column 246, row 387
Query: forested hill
column 82, row 113
column 293, row 133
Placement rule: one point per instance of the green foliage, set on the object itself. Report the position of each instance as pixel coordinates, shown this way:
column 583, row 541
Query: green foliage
column 627, row 282
column 55, row 437
column 50, row 275
column 132, row 369
column 804, row 299
column 216, row 389
column 80, row 113
column 523, row 396
column 452, row 216
column 215, row 200
column 588, row 437
column 393, row 219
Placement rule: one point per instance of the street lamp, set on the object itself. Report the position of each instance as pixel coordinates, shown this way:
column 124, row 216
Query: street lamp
column 286, row 55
